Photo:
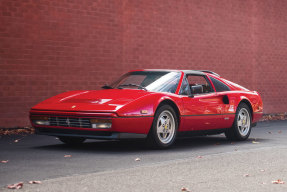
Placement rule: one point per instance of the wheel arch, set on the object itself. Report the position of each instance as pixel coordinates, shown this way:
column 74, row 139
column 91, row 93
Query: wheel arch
column 247, row 102
column 172, row 104
column 152, row 138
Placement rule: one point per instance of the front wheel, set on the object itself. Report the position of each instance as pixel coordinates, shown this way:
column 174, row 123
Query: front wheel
column 164, row 128
column 241, row 127
column 72, row 140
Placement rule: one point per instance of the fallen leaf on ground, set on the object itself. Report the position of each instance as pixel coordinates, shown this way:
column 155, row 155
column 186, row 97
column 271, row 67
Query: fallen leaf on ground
column 34, row 182
column 185, row 189
column 137, row 159
column 255, row 142
column 4, row 161
column 278, row 182
column 67, row 155
column 272, row 117
column 246, row 175
column 16, row 186
column 25, row 130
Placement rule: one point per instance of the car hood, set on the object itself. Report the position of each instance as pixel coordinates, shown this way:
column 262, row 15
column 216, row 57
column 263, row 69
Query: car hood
column 107, row 100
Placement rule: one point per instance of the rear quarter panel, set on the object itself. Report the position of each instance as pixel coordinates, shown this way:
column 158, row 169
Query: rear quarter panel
column 235, row 97
column 239, row 94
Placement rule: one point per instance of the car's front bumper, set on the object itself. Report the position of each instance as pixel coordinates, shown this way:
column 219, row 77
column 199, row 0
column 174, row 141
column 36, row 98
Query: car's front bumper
column 88, row 134
column 122, row 127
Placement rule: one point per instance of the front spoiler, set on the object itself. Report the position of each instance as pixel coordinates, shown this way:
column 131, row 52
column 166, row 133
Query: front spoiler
column 88, row 134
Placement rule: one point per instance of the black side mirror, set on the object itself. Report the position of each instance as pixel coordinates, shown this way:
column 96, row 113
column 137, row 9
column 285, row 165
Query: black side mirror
column 196, row 89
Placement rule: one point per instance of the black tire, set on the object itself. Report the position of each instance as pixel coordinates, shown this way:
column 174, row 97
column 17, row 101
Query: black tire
column 72, row 140
column 238, row 132
column 157, row 140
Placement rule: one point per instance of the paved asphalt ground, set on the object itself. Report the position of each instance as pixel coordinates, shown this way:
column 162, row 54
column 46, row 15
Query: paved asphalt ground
column 200, row 163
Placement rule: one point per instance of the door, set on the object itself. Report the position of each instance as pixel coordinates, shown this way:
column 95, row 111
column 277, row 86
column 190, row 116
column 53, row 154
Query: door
column 202, row 110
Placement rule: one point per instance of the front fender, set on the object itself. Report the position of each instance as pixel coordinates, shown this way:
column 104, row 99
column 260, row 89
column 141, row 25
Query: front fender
column 147, row 105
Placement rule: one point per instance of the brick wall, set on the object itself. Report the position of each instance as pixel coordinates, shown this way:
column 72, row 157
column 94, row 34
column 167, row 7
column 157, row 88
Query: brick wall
column 51, row 46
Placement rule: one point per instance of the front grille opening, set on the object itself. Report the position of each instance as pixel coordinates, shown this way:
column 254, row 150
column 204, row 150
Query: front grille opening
column 70, row 122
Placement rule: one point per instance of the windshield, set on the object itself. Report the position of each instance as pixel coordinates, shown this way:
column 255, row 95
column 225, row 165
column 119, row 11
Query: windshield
column 156, row 81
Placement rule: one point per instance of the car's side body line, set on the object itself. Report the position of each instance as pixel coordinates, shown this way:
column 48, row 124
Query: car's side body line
column 209, row 114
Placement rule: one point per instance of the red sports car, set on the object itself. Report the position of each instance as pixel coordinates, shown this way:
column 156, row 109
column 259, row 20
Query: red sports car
column 156, row 105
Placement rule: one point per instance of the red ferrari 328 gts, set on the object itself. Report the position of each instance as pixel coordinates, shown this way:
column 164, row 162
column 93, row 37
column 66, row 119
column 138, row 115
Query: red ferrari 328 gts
column 156, row 105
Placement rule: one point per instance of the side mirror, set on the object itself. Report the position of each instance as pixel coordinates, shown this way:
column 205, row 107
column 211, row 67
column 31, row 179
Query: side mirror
column 196, row 89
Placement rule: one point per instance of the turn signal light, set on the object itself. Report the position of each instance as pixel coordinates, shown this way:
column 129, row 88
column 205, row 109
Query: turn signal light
column 101, row 123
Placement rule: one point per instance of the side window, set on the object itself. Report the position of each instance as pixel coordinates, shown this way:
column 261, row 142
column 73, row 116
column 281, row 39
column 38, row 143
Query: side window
column 185, row 89
column 219, row 86
column 199, row 84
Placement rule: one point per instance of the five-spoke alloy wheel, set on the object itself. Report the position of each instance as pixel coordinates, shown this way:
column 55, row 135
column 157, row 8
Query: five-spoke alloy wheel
column 164, row 128
column 243, row 122
column 241, row 127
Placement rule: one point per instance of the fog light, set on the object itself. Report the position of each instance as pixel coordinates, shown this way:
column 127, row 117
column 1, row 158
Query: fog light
column 40, row 120
column 101, row 123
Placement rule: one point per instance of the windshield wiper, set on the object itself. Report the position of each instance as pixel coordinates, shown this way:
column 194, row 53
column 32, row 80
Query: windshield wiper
column 135, row 85
column 106, row 87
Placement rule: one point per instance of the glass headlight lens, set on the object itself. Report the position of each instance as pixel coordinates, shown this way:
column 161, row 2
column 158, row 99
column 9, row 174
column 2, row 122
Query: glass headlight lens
column 101, row 123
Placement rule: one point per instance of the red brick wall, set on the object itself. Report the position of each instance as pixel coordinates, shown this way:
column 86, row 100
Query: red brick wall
column 51, row 46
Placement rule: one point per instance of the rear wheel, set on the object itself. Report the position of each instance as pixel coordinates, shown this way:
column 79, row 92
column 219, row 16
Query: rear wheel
column 164, row 128
column 72, row 140
column 241, row 127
